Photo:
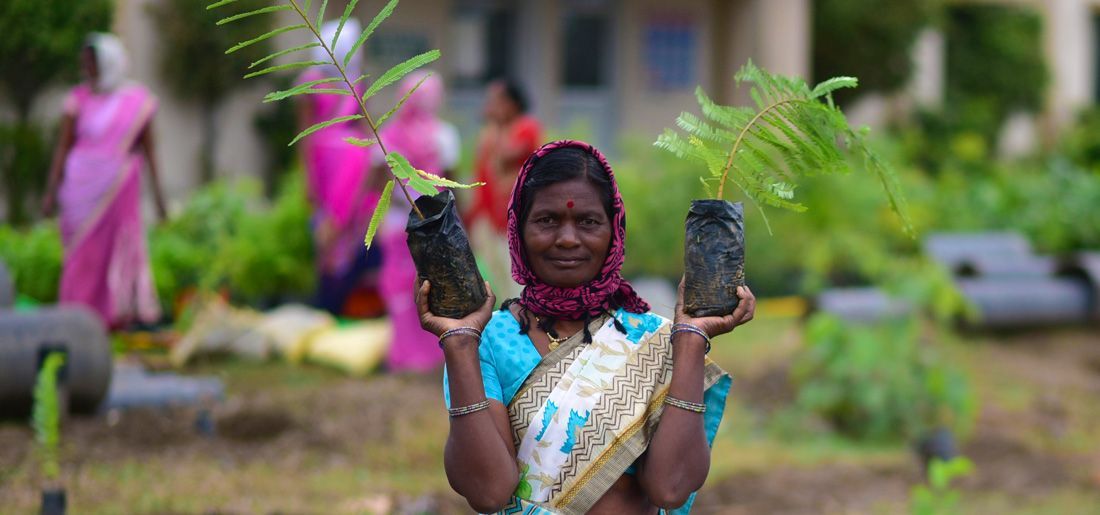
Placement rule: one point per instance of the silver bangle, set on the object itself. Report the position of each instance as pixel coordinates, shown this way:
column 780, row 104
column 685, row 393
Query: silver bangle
column 694, row 407
column 466, row 410
column 691, row 328
column 459, row 330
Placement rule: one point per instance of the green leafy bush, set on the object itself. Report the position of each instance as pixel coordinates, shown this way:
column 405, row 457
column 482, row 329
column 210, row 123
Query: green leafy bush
column 228, row 237
column 878, row 382
column 33, row 257
column 938, row 497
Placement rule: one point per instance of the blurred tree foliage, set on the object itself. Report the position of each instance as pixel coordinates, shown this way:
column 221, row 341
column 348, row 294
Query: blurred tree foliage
column 995, row 64
column 869, row 39
column 194, row 64
column 277, row 124
column 40, row 42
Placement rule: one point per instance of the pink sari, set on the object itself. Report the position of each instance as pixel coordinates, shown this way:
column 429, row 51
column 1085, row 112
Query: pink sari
column 413, row 133
column 336, row 174
column 106, row 266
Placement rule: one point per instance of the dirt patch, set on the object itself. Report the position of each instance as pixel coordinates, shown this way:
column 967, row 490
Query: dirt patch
column 1007, row 465
column 253, row 424
column 829, row 489
column 767, row 391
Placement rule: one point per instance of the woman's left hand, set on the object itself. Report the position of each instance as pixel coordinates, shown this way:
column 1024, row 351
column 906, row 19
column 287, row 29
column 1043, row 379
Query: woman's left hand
column 717, row 325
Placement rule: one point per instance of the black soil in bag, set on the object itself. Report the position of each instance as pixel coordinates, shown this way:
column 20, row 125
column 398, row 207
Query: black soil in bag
column 442, row 254
column 714, row 257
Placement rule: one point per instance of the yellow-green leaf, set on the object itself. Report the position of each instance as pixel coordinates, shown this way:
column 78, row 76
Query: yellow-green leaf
column 360, row 142
column 321, row 125
column 283, row 67
column 378, row 18
column 299, row 89
column 266, row 35
column 215, row 5
column 446, row 183
column 281, row 53
column 398, row 71
column 264, row 10
column 343, row 19
column 384, row 117
column 403, row 170
column 379, row 213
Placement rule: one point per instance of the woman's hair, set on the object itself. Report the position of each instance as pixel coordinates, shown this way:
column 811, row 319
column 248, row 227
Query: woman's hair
column 561, row 165
column 515, row 93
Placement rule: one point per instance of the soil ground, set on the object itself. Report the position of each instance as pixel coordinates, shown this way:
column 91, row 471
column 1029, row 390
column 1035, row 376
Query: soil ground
column 308, row 440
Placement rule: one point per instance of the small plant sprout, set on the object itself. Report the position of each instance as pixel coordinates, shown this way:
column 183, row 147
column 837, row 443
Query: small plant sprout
column 791, row 131
column 404, row 175
column 46, row 417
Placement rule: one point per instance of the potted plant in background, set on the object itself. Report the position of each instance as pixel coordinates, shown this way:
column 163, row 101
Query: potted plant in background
column 438, row 242
column 791, row 131
column 46, row 421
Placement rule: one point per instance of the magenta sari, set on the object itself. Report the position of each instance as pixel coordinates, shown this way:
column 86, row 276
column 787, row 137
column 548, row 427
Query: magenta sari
column 106, row 266
column 336, row 175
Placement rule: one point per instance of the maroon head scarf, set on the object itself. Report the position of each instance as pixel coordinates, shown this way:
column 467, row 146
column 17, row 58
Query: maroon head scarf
column 590, row 299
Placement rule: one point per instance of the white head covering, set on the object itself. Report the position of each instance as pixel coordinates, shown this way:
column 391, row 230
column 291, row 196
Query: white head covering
column 110, row 59
column 348, row 35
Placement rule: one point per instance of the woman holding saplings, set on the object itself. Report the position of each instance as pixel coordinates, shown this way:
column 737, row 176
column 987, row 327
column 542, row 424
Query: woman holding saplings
column 574, row 398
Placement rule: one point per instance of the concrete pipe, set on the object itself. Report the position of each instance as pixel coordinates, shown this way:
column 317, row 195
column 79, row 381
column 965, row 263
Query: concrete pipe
column 24, row 339
column 954, row 250
column 862, row 305
column 1005, row 303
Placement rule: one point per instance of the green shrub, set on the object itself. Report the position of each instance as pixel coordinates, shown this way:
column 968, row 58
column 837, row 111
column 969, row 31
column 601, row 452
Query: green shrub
column 995, row 64
column 46, row 416
column 33, row 257
column 938, row 497
column 878, row 382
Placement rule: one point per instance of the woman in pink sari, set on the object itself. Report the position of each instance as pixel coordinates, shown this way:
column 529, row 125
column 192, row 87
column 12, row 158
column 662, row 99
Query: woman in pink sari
column 105, row 139
column 432, row 145
column 336, row 178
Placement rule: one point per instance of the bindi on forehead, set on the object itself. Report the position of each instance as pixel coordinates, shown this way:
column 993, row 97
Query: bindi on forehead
column 569, row 204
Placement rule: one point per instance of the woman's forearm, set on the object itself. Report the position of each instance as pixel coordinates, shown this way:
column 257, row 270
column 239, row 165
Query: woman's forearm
column 479, row 457
column 60, row 154
column 678, row 457
column 154, row 176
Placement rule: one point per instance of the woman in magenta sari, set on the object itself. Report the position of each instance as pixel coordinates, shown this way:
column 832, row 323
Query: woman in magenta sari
column 336, row 178
column 105, row 139
column 432, row 145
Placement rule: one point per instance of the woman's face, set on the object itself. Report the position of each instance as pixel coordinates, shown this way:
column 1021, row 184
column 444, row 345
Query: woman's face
column 88, row 64
column 567, row 233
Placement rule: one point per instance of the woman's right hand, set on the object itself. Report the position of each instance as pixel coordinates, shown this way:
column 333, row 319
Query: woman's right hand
column 438, row 325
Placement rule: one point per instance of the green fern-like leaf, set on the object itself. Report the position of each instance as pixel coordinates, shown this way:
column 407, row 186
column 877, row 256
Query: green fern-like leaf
column 790, row 131
column 413, row 178
column 284, row 67
column 281, row 53
column 382, row 119
column 266, row 35
column 400, row 70
column 321, row 125
column 374, row 23
column 46, row 416
column 379, row 213
column 264, row 10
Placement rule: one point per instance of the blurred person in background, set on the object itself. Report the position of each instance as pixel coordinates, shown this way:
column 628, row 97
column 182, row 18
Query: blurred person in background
column 106, row 138
column 336, row 177
column 509, row 136
column 430, row 144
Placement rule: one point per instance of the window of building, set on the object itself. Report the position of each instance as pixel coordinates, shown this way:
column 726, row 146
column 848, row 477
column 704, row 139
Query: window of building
column 482, row 39
column 586, row 40
column 668, row 51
